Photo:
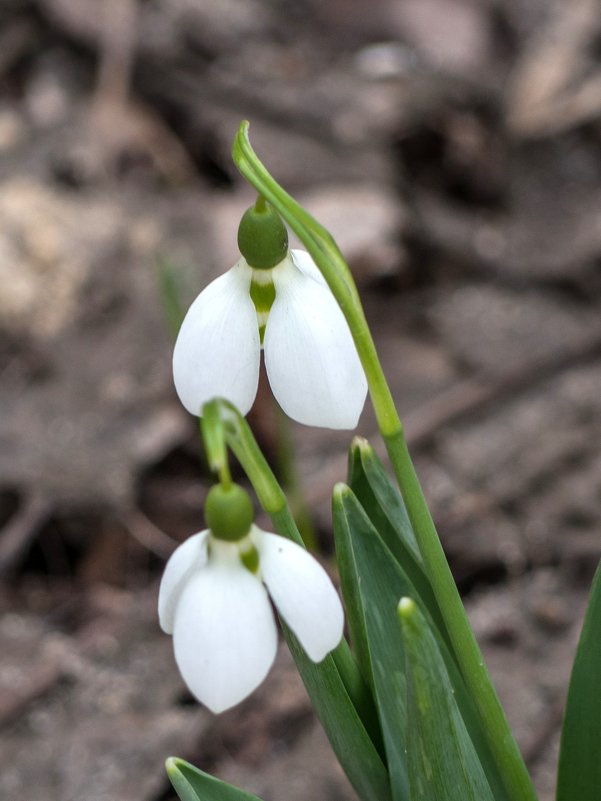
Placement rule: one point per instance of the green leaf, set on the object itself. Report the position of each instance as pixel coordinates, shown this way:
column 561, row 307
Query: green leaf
column 370, row 608
column 381, row 500
column 339, row 717
column 442, row 761
column 192, row 784
column 372, row 582
column 384, row 506
column 579, row 775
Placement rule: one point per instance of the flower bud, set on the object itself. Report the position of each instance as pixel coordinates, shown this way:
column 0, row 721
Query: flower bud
column 262, row 236
column 229, row 512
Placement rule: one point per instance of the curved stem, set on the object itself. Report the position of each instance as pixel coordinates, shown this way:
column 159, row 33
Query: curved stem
column 211, row 430
column 240, row 439
column 335, row 270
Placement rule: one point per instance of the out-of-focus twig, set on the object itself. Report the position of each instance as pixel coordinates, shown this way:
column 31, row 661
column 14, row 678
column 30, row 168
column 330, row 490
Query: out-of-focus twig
column 556, row 84
column 150, row 536
column 18, row 534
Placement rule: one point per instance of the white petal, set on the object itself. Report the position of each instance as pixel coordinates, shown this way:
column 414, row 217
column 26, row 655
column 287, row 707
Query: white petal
column 188, row 557
column 218, row 350
column 303, row 593
column 306, row 265
column 312, row 365
column 225, row 636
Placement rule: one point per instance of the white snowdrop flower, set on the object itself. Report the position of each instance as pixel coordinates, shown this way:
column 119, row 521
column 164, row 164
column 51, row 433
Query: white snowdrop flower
column 276, row 299
column 213, row 599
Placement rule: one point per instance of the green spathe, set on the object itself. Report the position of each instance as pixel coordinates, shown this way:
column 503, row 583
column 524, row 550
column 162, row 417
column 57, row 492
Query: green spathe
column 262, row 236
column 192, row 784
column 229, row 512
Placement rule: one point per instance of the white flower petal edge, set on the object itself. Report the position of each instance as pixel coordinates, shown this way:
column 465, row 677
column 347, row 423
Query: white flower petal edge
column 187, row 558
column 310, row 357
column 304, row 262
column 302, row 592
column 217, row 350
column 225, row 637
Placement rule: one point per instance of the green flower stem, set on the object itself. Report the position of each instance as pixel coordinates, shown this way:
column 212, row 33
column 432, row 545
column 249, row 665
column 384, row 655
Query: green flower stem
column 211, row 430
column 240, row 439
column 467, row 651
column 330, row 261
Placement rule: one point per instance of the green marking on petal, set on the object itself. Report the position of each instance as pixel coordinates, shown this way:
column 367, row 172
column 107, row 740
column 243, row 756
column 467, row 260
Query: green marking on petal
column 262, row 295
column 249, row 556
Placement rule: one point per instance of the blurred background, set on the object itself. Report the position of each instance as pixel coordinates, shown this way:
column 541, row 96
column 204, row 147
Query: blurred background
column 453, row 147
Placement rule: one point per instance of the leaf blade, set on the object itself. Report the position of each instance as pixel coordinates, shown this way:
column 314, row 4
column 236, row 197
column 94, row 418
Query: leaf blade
column 340, row 719
column 384, row 506
column 377, row 494
column 579, row 771
column 442, row 761
column 372, row 582
column 193, row 784
column 370, row 616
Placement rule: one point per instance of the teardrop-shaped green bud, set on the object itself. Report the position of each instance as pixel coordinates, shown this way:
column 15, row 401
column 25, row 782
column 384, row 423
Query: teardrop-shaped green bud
column 229, row 512
column 262, row 236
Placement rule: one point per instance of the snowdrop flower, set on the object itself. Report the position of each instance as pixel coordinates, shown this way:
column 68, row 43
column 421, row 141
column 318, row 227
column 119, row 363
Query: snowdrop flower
column 277, row 300
column 213, row 600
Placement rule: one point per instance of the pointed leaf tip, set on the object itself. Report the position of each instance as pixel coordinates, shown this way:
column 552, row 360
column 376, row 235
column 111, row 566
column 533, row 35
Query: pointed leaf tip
column 171, row 765
column 360, row 444
column 442, row 761
column 340, row 491
column 192, row 784
column 406, row 608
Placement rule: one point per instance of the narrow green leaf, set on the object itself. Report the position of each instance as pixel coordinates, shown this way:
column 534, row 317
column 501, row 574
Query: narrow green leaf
column 348, row 736
column 372, row 582
column 381, row 500
column 192, row 784
column 171, row 291
column 370, row 611
column 442, row 761
column 579, row 775
column 384, row 506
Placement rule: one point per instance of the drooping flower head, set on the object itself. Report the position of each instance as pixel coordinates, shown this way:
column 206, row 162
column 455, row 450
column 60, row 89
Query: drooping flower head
column 274, row 299
column 213, row 600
